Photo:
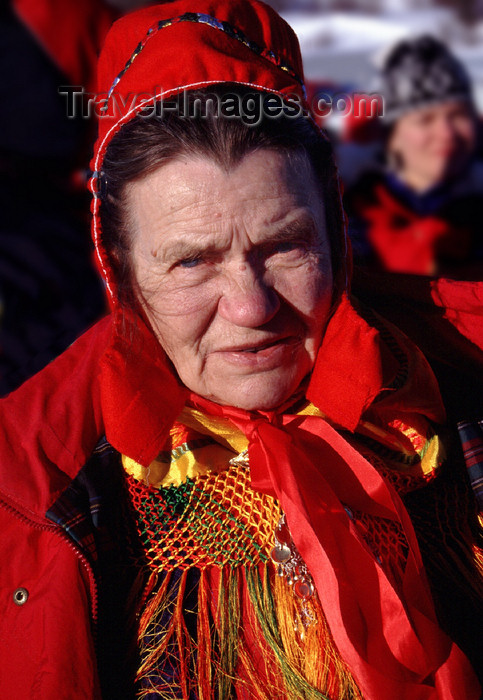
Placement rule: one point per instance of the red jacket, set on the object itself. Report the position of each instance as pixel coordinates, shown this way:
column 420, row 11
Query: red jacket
column 389, row 231
column 48, row 592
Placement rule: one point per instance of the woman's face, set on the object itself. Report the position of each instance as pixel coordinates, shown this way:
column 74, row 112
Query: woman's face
column 433, row 143
column 234, row 273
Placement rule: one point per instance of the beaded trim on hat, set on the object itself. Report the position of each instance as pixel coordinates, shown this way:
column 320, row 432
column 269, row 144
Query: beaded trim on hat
column 200, row 18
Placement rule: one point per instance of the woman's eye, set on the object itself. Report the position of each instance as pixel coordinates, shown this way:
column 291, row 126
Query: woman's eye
column 291, row 248
column 189, row 262
column 286, row 247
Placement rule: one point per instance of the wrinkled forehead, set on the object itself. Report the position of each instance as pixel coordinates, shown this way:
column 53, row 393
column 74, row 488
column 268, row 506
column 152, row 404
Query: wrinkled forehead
column 194, row 200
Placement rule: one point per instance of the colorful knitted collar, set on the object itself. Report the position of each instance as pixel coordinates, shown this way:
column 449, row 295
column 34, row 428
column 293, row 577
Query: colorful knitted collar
column 200, row 443
column 317, row 478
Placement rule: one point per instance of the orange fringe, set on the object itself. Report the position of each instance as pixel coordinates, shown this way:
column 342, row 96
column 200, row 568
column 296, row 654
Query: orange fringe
column 478, row 558
column 292, row 667
column 152, row 610
column 314, row 656
column 183, row 638
column 204, row 632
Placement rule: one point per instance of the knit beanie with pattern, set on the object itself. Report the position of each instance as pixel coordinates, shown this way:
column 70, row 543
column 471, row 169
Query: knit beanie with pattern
column 421, row 72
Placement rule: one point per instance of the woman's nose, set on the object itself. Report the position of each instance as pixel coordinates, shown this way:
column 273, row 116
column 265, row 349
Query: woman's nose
column 247, row 299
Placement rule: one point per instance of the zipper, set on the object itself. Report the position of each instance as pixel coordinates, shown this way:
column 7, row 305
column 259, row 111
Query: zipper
column 42, row 525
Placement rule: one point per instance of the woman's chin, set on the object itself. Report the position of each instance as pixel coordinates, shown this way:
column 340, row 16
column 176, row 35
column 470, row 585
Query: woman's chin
column 262, row 392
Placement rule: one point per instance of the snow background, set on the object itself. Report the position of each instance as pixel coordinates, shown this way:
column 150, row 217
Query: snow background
column 342, row 42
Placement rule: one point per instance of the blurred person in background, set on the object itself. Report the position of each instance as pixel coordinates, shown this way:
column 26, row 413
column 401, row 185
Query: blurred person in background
column 416, row 220
column 48, row 286
column 421, row 212
column 49, row 290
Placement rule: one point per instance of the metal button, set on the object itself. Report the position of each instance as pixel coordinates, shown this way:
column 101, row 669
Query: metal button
column 20, row 596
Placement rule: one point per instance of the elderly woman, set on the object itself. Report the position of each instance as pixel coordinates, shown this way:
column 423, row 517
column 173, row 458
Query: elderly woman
column 202, row 498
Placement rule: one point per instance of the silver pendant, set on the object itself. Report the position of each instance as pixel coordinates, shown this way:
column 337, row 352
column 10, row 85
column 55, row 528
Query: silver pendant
column 290, row 565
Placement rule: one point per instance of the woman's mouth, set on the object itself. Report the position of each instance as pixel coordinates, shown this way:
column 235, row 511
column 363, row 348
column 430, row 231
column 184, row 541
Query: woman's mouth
column 264, row 355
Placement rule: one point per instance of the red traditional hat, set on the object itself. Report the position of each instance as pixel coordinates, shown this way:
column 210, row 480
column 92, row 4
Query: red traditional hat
column 164, row 49
column 167, row 48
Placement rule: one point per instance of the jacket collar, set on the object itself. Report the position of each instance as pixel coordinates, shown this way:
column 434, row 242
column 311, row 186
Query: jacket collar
column 51, row 424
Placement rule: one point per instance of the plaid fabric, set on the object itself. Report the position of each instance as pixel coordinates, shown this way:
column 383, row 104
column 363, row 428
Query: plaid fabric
column 81, row 509
column 93, row 511
column 471, row 435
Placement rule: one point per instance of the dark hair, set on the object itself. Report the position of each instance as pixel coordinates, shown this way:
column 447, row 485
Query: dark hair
column 150, row 140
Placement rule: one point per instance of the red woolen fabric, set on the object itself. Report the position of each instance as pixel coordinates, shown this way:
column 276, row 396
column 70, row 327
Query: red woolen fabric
column 35, row 659
column 51, row 424
column 190, row 55
column 71, row 32
column 462, row 302
column 139, row 393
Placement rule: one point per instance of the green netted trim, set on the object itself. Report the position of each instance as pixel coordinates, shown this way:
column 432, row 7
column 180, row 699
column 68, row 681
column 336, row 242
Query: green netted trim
column 211, row 520
column 175, row 498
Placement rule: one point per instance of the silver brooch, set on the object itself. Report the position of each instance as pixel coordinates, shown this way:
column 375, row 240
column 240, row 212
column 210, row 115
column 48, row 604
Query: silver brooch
column 293, row 569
